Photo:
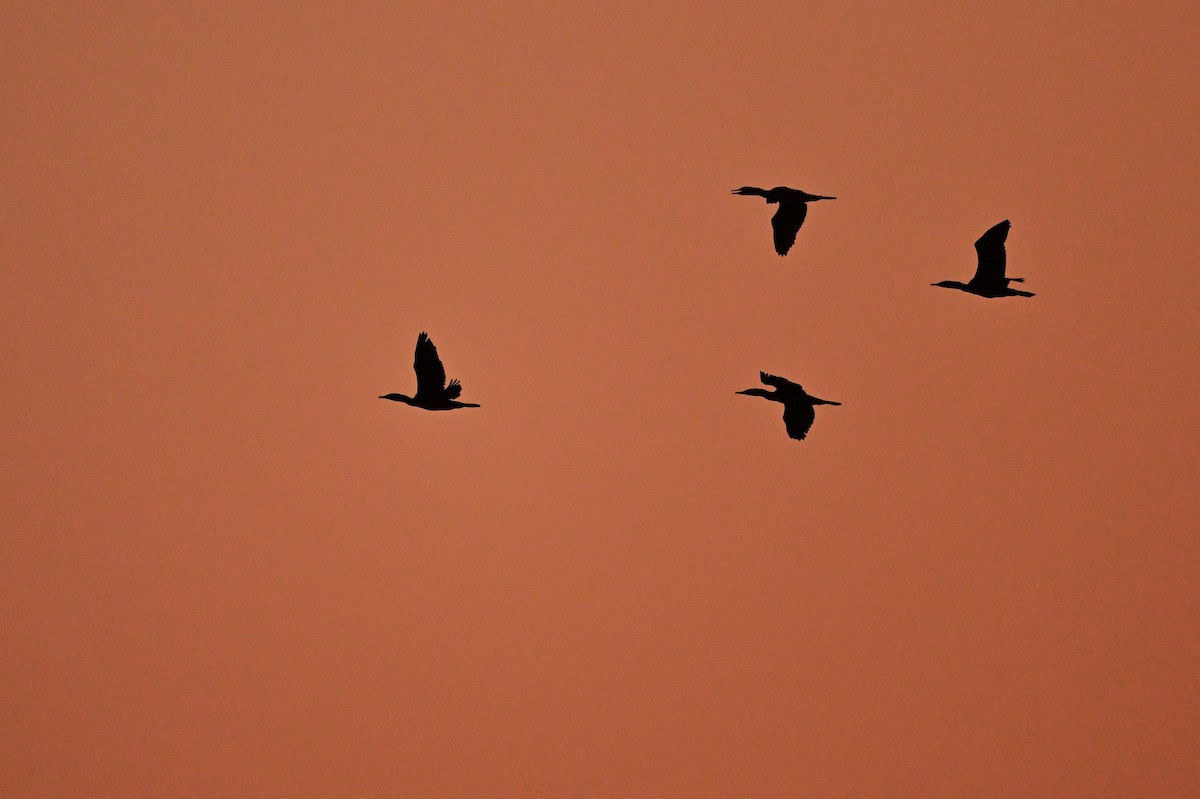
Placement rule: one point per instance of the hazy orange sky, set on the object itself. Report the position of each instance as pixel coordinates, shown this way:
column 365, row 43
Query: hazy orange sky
column 228, row 570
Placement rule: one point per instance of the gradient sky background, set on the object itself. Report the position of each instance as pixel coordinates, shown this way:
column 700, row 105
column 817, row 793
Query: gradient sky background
column 229, row 570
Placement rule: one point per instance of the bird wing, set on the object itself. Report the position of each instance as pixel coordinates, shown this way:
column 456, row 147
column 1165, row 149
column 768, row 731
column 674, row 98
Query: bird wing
column 786, row 223
column 453, row 390
column 798, row 418
column 990, row 249
column 781, row 383
column 431, row 375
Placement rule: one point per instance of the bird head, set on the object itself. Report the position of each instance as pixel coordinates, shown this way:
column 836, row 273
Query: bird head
column 950, row 284
column 397, row 398
column 757, row 392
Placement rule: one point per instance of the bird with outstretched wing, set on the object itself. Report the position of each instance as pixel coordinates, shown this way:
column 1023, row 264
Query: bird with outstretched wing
column 798, row 412
column 432, row 392
column 989, row 279
column 793, row 208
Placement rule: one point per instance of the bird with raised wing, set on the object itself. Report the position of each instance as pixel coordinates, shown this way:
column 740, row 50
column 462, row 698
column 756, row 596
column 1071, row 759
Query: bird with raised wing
column 433, row 394
column 798, row 405
column 989, row 279
column 793, row 207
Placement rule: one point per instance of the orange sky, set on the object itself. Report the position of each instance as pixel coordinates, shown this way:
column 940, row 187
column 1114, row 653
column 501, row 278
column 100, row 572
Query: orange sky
column 229, row 570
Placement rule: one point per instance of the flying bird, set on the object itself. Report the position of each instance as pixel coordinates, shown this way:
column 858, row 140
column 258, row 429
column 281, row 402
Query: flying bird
column 989, row 280
column 793, row 207
column 432, row 392
column 798, row 413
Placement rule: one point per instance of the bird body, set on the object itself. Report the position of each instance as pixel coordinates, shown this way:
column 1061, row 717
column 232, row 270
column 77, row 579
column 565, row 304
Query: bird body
column 793, row 208
column 989, row 279
column 798, row 405
column 433, row 394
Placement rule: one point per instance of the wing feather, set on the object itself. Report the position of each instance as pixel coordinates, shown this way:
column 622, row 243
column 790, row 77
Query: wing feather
column 781, row 383
column 990, row 249
column 431, row 375
column 798, row 419
column 786, row 224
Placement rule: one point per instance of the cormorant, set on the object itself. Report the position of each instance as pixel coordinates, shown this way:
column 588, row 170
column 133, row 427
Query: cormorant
column 798, row 413
column 989, row 280
column 432, row 392
column 793, row 206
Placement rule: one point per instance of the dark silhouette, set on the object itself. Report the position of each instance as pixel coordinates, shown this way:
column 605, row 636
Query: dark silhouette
column 798, row 413
column 793, row 207
column 432, row 392
column 989, row 280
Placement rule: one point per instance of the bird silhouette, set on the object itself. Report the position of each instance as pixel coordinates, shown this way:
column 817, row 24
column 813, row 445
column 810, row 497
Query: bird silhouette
column 798, row 413
column 989, row 280
column 793, row 207
column 432, row 392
